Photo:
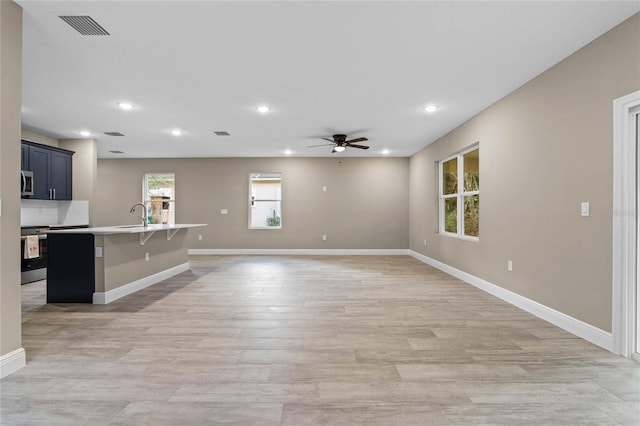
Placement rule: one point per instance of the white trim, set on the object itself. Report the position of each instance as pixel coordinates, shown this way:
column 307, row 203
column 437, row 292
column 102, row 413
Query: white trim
column 624, row 224
column 459, row 195
column 572, row 325
column 12, row 362
column 329, row 252
column 100, row 298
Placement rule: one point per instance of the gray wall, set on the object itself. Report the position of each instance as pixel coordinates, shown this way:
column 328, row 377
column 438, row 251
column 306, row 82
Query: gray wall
column 543, row 149
column 32, row 136
column 85, row 169
column 10, row 104
column 366, row 205
column 123, row 259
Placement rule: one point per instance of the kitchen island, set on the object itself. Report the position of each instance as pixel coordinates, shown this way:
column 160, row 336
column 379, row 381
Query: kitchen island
column 102, row 264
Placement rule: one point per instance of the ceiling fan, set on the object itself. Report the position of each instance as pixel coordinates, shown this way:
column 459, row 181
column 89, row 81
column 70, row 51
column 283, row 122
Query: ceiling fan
column 340, row 143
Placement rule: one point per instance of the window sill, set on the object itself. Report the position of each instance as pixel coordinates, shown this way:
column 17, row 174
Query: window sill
column 459, row 237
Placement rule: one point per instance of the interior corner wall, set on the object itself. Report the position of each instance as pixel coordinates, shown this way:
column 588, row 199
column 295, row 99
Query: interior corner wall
column 544, row 149
column 10, row 110
column 85, row 169
column 365, row 206
column 32, row 136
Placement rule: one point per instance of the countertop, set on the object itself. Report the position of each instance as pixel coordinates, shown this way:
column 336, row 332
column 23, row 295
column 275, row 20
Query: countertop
column 126, row 229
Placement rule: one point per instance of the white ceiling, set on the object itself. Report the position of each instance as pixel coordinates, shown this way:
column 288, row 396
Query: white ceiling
column 361, row 68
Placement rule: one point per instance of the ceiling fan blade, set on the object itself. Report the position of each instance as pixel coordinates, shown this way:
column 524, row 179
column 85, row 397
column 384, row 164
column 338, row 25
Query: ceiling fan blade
column 357, row 140
column 357, row 146
column 324, row 144
column 330, row 140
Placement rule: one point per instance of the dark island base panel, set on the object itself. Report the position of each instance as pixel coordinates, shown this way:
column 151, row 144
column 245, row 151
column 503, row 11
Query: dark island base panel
column 71, row 268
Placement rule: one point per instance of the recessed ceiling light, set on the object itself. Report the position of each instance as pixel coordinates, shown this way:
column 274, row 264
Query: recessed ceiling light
column 84, row 133
column 288, row 152
column 385, row 152
column 263, row 109
column 125, row 106
column 431, row 108
column 176, row 132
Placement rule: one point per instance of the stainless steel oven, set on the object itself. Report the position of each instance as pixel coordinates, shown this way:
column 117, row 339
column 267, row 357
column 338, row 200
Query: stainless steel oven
column 34, row 269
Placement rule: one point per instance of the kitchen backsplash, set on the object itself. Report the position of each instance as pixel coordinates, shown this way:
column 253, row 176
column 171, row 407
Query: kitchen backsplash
column 51, row 212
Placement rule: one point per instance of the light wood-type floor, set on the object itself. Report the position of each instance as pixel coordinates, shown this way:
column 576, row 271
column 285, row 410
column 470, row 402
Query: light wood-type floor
column 309, row 340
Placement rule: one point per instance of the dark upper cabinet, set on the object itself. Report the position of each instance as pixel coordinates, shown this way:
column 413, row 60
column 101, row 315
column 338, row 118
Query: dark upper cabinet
column 52, row 171
column 60, row 177
column 40, row 165
column 25, row 157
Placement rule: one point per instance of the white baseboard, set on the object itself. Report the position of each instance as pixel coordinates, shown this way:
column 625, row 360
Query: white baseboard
column 581, row 329
column 100, row 298
column 335, row 252
column 12, row 362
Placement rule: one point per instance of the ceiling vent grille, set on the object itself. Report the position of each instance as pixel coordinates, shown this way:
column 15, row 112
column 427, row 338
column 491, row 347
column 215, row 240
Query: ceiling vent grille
column 85, row 25
column 222, row 133
column 113, row 134
column 116, row 152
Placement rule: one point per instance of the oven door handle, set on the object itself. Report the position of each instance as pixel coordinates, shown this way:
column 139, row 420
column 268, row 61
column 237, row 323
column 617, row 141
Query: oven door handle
column 40, row 237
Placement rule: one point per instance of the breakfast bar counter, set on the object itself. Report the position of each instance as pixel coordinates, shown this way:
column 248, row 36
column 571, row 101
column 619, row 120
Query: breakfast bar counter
column 102, row 264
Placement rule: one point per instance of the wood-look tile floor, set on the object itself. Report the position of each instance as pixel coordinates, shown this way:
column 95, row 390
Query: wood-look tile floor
column 286, row 340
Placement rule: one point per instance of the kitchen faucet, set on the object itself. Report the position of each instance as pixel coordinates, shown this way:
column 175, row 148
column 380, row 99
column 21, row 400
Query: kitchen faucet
column 144, row 211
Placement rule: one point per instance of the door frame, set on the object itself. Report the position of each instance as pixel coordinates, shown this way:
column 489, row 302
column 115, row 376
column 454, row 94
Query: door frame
column 624, row 214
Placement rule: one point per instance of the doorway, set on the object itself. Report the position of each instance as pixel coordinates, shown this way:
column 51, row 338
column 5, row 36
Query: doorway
column 636, row 290
column 626, row 232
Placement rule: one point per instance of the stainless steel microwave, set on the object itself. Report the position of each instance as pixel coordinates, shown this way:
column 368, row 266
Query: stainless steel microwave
column 26, row 183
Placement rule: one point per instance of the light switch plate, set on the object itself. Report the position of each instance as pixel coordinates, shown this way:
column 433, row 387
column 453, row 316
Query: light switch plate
column 98, row 251
column 224, row 211
column 584, row 208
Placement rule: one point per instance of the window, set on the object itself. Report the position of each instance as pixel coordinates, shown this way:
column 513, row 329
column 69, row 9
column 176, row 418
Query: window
column 459, row 194
column 159, row 193
column 265, row 198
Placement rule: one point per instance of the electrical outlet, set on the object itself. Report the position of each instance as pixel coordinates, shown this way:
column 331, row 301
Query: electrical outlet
column 324, row 238
column 509, row 266
column 146, row 257
column 200, row 237
column 98, row 251
column 425, row 243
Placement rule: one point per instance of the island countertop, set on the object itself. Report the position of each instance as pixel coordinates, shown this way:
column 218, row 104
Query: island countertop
column 127, row 229
column 102, row 264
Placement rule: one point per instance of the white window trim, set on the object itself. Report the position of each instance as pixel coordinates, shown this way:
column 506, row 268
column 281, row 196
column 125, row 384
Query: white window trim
column 249, row 200
column 147, row 201
column 458, row 195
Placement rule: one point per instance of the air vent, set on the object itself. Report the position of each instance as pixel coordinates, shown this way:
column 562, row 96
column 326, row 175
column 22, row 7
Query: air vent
column 85, row 25
column 113, row 134
column 222, row 133
column 117, row 152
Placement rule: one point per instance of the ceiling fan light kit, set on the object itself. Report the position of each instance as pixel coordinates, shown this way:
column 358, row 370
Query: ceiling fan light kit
column 340, row 143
